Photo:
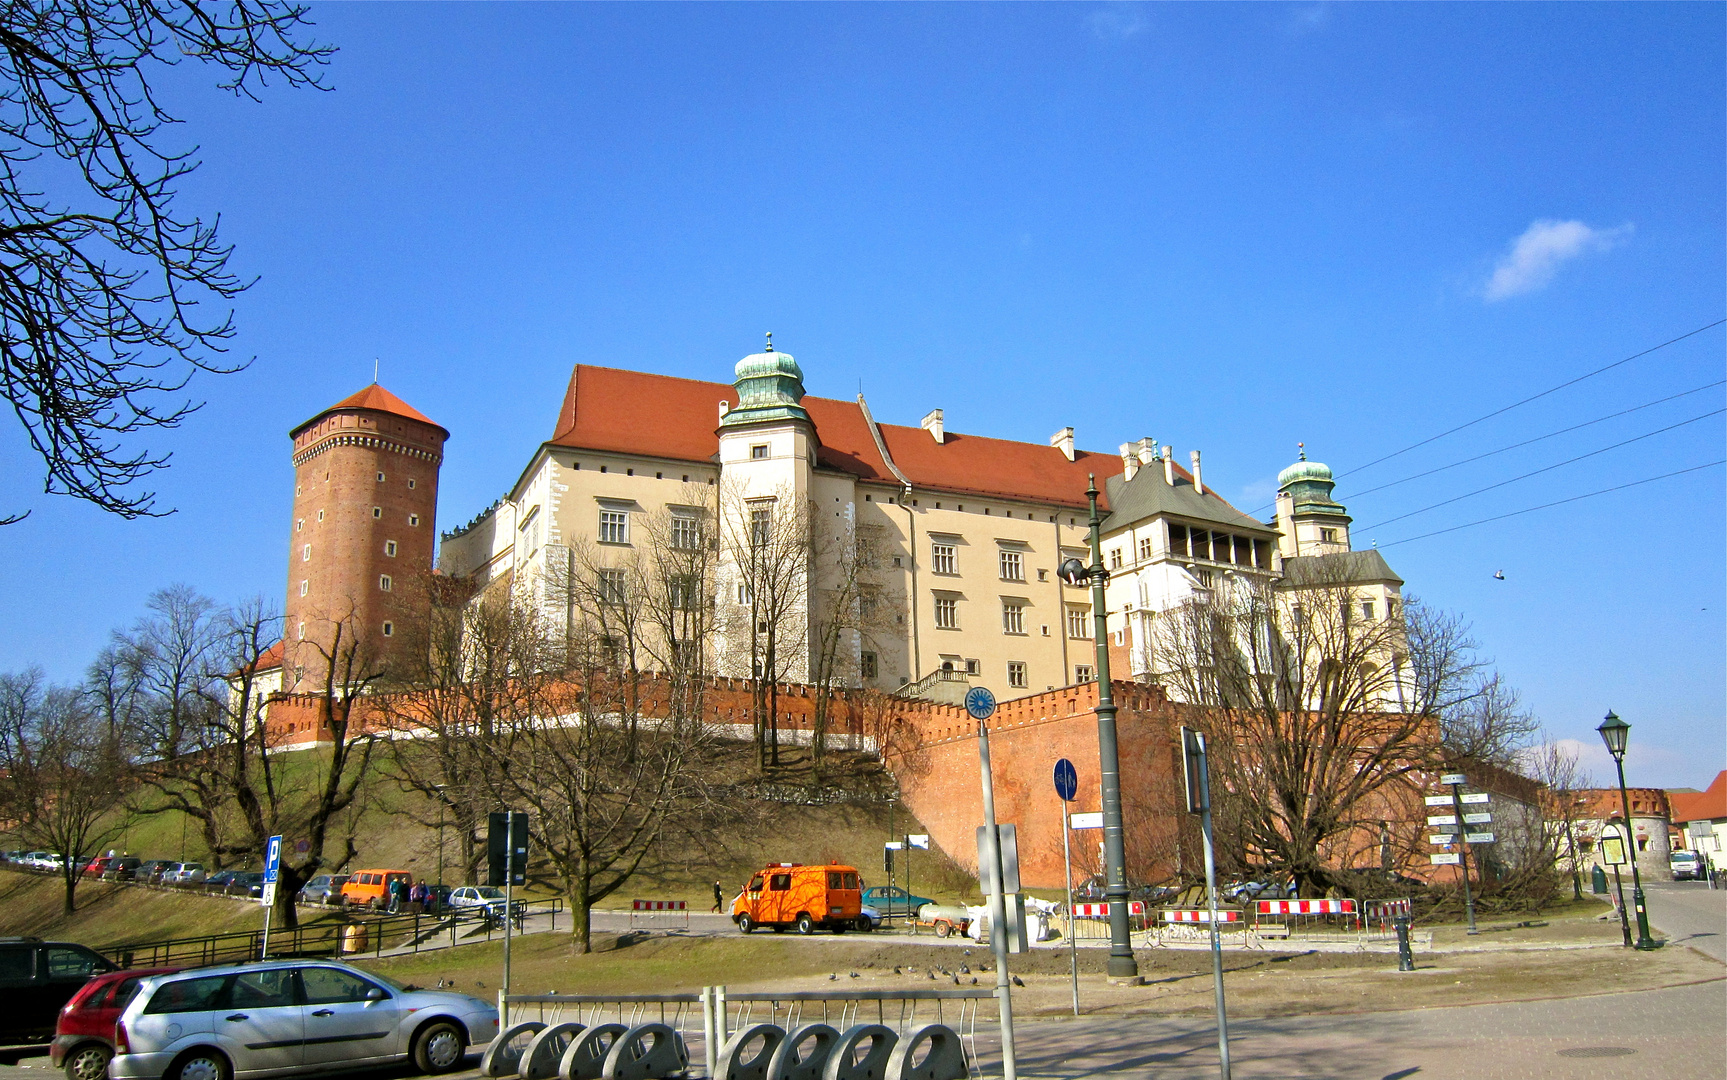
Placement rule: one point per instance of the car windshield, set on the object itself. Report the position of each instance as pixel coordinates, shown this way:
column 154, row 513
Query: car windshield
column 487, row 892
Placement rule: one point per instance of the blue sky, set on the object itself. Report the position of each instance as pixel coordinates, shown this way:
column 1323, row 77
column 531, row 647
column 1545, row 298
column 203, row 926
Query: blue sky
column 1231, row 227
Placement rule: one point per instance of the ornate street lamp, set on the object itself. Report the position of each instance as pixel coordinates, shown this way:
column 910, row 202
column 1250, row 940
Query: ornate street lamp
column 1122, row 966
column 1616, row 733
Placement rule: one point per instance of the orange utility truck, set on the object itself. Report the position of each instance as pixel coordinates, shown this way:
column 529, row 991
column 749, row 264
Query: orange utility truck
column 807, row 897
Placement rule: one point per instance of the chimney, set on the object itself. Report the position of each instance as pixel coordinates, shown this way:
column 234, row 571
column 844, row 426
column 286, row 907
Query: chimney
column 1198, row 484
column 1064, row 440
column 1147, row 451
column 932, row 424
column 725, row 407
column 1129, row 461
column 1169, row 465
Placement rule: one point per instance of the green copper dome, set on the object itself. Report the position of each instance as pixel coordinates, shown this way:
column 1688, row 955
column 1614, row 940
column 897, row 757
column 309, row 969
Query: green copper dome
column 1309, row 484
column 1304, row 470
column 770, row 387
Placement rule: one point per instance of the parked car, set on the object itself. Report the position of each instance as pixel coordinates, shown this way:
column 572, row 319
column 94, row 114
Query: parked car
column 1686, row 866
column 98, row 865
column 150, row 871
column 219, row 880
column 183, row 873
column 371, row 888
column 1243, row 891
column 84, row 1038
column 122, row 868
column 323, row 889
column 893, row 900
column 782, row 895
column 438, row 897
column 488, row 897
column 249, row 883
column 290, row 1016
column 36, row 978
column 868, row 918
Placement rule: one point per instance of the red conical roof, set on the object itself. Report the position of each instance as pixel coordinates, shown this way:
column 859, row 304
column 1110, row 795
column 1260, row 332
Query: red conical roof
column 377, row 399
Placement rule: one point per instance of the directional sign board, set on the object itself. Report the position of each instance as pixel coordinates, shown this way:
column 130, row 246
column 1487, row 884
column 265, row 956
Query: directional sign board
column 1443, row 841
column 272, row 869
column 1442, row 819
column 1477, row 819
column 1085, row 821
column 980, row 703
column 1479, row 837
column 917, row 840
column 1454, row 778
column 1066, row 780
column 1445, row 859
column 1439, row 800
column 1475, row 798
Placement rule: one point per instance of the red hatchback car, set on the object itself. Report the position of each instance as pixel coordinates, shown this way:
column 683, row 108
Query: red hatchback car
column 84, row 1036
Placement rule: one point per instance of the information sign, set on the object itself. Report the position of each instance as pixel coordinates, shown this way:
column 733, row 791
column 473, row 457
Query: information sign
column 1479, row 837
column 1612, row 848
column 1475, row 798
column 1454, row 778
column 980, row 703
column 1442, row 819
column 917, row 840
column 1439, row 800
column 1085, row 821
column 272, row 869
column 1443, row 841
column 1477, row 819
column 1066, row 780
column 1449, row 858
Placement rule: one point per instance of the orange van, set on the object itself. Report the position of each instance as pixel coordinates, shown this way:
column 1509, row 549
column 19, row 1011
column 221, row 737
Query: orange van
column 807, row 897
column 371, row 888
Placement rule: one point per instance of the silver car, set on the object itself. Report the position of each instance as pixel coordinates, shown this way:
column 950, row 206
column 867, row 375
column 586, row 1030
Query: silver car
column 283, row 1017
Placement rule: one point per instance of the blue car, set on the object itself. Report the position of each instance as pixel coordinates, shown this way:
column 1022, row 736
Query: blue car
column 892, row 900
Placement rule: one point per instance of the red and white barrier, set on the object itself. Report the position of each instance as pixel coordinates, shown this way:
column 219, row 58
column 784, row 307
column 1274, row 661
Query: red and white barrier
column 659, row 905
column 1198, row 915
column 1387, row 909
column 1305, row 907
column 1101, row 911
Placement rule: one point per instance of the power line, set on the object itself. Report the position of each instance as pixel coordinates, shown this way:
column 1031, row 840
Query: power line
column 1547, row 468
column 1560, row 502
column 1534, row 397
column 1540, row 438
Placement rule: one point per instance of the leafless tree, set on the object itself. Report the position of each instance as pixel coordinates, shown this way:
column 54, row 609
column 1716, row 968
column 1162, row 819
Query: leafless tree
column 1553, row 763
column 103, row 279
column 852, row 607
column 1481, row 717
column 64, row 773
column 768, row 541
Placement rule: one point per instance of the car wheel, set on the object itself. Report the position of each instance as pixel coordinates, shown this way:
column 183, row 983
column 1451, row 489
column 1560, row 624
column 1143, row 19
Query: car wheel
column 840, row 927
column 864, row 924
column 744, row 924
column 200, row 1064
column 805, row 924
column 88, row 1062
column 439, row 1047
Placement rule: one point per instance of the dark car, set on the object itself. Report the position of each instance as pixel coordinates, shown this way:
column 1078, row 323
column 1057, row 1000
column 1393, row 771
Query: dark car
column 890, row 900
column 248, row 883
column 150, row 870
column 1243, row 891
column 323, row 889
column 36, row 978
column 220, row 880
column 84, row 1039
column 122, row 868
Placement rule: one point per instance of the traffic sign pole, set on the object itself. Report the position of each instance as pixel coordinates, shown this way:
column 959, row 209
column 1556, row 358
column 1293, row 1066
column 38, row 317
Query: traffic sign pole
column 272, row 871
column 997, row 899
column 1199, row 801
column 1456, row 781
column 1066, row 786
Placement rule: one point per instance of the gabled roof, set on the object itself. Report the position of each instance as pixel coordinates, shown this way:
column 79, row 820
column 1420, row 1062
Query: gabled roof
column 1708, row 805
column 630, row 412
column 377, row 399
column 1339, row 568
column 1147, row 495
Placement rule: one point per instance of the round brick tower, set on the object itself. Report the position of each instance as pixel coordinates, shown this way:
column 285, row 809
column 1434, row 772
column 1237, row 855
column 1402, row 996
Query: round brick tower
column 363, row 535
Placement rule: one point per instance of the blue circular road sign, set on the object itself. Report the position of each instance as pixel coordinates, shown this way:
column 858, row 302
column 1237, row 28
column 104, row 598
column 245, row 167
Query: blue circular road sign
column 980, row 703
column 1066, row 780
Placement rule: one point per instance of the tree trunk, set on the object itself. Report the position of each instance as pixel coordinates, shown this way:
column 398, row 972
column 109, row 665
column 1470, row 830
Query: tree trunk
column 581, row 911
column 69, row 875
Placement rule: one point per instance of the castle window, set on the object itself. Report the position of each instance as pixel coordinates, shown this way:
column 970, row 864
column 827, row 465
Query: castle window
column 389, row 629
column 973, row 667
column 304, row 585
column 413, row 519
column 410, row 485
column 299, row 523
column 613, row 589
column 614, row 527
column 947, row 613
column 759, row 452
column 320, row 515
column 302, row 633
column 390, row 548
column 867, row 665
column 306, row 553
column 1016, row 673
column 380, row 478
column 1082, row 673
column 942, row 559
column 377, row 511
column 384, row 582
column 1115, row 559
column 1145, row 547
column 686, row 533
column 1328, row 536
column 1177, row 539
column 1012, row 617
column 1012, row 565
column 1367, row 610
column 1076, row 623
column 1043, row 575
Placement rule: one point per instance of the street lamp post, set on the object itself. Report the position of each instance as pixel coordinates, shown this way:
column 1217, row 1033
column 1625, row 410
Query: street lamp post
column 1616, row 733
column 1122, row 966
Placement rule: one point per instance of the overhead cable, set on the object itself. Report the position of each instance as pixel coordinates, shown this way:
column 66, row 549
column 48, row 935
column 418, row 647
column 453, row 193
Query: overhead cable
column 1540, row 438
column 1548, row 468
column 1559, row 502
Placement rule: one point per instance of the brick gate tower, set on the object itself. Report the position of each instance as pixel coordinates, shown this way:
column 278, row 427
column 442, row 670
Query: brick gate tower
column 363, row 538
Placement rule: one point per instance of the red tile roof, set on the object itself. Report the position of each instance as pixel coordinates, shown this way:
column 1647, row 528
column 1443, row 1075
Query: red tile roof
column 1708, row 805
column 377, row 399
column 662, row 416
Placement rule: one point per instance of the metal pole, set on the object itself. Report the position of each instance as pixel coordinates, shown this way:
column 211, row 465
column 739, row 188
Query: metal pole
column 1067, row 863
column 1624, row 919
column 1122, row 966
column 997, row 907
column 1211, row 904
column 1463, row 852
column 1644, row 941
column 509, row 899
column 264, row 950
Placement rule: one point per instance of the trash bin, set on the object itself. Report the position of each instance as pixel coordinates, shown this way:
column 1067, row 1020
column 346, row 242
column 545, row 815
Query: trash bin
column 1598, row 881
column 354, row 938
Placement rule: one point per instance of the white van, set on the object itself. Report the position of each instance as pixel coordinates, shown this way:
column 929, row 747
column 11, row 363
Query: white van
column 1686, row 866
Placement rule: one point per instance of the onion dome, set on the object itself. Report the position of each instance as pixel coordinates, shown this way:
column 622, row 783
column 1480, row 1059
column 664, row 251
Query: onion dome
column 1309, row 483
column 770, row 387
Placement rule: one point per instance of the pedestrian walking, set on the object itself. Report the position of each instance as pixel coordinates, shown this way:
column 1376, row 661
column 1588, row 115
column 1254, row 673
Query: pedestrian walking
column 719, row 896
column 395, row 895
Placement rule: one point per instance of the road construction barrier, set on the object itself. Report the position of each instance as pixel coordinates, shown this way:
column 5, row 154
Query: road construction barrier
column 656, row 914
column 585, row 1059
column 1198, row 915
column 1380, row 914
column 738, row 1061
column 845, row 1064
column 1293, row 918
column 539, row 1060
column 1135, row 908
column 646, row 1052
column 504, row 1056
column 803, row 1054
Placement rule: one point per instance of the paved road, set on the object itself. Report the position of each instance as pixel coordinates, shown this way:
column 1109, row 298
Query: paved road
column 1689, row 913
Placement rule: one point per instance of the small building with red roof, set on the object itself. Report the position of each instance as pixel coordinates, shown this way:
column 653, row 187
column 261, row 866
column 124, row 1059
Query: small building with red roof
column 1699, row 819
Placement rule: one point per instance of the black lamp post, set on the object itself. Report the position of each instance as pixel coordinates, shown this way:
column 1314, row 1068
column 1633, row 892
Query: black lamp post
column 1122, row 966
column 1616, row 733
